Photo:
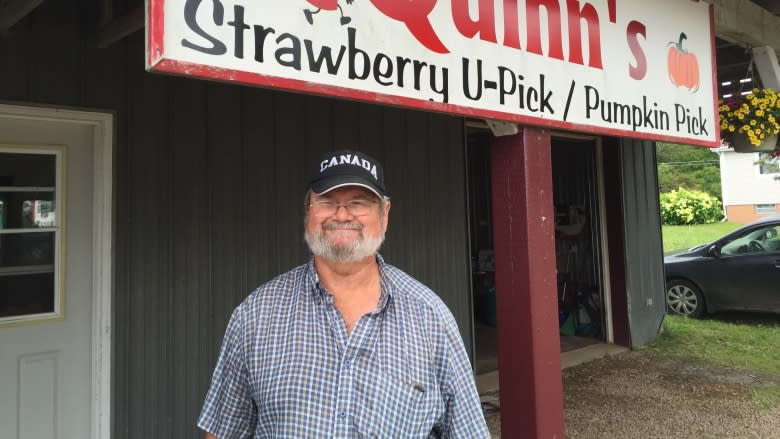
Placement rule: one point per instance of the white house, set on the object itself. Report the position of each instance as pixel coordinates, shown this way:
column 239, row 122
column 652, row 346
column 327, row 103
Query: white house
column 750, row 190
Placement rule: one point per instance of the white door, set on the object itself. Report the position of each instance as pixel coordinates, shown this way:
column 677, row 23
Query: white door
column 46, row 364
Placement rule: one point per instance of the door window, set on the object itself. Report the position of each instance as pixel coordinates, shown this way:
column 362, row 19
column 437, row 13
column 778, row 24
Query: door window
column 31, row 230
column 764, row 239
column 768, row 164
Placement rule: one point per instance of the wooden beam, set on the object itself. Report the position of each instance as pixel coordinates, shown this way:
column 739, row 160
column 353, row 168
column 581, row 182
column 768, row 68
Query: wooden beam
column 733, row 62
column 529, row 356
column 772, row 6
column 11, row 11
column 746, row 23
column 121, row 27
column 767, row 66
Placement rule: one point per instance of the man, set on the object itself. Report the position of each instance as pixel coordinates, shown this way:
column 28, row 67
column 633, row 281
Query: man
column 346, row 345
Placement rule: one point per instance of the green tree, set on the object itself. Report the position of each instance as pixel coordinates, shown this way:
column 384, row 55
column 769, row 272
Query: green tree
column 770, row 162
column 690, row 167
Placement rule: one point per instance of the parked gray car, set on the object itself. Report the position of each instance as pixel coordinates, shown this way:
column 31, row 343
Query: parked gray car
column 740, row 271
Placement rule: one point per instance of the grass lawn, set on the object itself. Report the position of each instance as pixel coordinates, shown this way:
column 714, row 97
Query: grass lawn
column 744, row 342
column 683, row 237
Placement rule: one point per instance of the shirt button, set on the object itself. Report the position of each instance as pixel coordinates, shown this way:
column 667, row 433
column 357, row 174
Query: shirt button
column 347, row 364
column 342, row 414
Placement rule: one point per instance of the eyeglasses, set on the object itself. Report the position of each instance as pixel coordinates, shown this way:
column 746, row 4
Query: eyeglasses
column 354, row 207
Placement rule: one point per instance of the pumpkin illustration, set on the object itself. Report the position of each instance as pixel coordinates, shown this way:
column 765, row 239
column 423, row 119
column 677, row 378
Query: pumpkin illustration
column 683, row 65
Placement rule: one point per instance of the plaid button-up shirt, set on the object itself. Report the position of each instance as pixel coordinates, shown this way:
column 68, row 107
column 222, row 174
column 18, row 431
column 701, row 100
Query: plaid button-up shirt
column 288, row 368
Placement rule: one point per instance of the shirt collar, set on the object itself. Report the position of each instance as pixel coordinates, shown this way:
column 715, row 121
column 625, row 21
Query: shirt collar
column 386, row 285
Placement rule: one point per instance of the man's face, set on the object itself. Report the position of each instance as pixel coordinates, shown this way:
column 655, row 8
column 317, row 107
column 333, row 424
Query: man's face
column 342, row 236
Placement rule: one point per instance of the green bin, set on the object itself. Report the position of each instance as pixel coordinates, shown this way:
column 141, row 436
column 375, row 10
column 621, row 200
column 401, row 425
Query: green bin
column 488, row 305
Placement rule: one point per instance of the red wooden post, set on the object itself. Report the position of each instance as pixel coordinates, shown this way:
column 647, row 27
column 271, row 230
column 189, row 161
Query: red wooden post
column 529, row 358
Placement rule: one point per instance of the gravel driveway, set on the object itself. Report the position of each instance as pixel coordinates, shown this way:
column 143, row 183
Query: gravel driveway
column 638, row 395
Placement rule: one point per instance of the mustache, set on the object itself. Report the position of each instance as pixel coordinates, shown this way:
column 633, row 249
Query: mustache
column 336, row 225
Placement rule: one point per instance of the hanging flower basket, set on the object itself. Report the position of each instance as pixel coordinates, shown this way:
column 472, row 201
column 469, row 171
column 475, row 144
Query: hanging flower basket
column 741, row 143
column 751, row 123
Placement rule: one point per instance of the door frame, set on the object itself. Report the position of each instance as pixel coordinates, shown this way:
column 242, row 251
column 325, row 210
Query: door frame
column 603, row 248
column 102, row 251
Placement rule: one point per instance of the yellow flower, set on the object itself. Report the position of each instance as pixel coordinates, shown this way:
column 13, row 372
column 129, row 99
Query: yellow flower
column 757, row 116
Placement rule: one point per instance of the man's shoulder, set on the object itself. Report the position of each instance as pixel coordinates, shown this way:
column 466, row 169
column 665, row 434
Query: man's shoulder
column 412, row 291
column 283, row 285
column 415, row 302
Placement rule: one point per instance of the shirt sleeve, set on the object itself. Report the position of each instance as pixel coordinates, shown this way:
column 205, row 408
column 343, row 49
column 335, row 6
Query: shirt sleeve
column 463, row 417
column 229, row 411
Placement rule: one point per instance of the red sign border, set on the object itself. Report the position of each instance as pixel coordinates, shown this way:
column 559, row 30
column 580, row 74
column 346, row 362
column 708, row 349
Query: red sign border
column 156, row 62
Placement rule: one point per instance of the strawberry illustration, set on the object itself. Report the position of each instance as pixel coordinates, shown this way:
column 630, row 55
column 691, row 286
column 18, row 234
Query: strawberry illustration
column 327, row 5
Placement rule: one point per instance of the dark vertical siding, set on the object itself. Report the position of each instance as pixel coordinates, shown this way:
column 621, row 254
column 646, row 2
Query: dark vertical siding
column 208, row 199
column 613, row 207
column 643, row 249
column 190, row 273
column 574, row 183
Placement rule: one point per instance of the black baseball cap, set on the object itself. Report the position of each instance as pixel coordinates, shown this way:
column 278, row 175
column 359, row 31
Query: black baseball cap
column 347, row 168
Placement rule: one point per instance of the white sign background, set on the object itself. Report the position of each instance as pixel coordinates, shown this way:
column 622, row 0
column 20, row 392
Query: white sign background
column 274, row 44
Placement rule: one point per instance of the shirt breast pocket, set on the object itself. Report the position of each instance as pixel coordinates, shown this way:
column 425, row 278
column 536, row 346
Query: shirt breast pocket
column 387, row 407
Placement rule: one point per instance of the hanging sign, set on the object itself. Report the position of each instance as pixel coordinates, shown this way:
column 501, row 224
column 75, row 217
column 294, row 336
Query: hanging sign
column 633, row 68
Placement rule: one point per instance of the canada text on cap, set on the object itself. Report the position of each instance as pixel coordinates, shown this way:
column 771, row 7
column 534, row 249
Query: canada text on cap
column 348, row 168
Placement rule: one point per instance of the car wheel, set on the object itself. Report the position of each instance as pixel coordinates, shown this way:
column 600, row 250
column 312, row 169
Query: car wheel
column 684, row 298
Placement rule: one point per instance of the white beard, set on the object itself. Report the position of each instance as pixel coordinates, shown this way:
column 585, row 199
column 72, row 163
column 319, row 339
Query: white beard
column 359, row 249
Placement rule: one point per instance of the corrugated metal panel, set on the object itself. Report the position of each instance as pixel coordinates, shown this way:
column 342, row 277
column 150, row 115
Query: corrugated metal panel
column 643, row 243
column 209, row 189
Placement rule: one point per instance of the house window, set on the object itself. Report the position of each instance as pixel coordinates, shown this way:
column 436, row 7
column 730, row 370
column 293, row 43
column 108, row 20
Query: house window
column 768, row 164
column 766, row 208
column 31, row 230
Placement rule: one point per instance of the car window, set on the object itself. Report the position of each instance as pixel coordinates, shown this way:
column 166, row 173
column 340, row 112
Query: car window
column 764, row 239
column 773, row 239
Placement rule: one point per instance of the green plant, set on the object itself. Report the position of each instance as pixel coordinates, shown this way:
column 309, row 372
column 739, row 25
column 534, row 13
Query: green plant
column 683, row 206
column 691, row 167
column 739, row 344
column 750, row 343
column 769, row 397
column 770, row 163
column 687, row 236
column 756, row 115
